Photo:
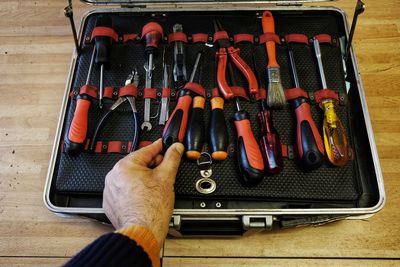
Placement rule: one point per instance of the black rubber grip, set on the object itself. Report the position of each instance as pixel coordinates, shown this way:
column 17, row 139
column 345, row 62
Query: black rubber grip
column 103, row 43
column 218, row 131
column 194, row 138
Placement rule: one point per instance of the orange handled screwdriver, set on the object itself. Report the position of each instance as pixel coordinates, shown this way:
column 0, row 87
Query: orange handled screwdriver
column 175, row 129
column 335, row 139
column 250, row 159
column 218, row 134
column 194, row 138
column 77, row 133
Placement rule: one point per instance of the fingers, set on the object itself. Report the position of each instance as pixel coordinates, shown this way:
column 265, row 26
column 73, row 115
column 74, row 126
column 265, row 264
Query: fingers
column 156, row 161
column 146, row 155
column 171, row 161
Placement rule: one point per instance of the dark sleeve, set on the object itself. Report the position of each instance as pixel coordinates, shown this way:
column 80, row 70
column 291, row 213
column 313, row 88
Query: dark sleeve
column 113, row 249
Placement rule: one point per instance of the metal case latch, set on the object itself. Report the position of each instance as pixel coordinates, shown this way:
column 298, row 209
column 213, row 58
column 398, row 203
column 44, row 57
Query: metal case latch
column 257, row 223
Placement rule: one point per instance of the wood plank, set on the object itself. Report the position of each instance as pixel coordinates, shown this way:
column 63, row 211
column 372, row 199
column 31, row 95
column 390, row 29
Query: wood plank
column 225, row 262
column 31, row 262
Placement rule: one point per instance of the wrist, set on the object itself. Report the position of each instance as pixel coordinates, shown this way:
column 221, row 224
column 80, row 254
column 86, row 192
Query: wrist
column 145, row 238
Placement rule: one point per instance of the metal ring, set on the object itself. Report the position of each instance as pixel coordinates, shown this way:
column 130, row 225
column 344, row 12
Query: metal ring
column 206, row 186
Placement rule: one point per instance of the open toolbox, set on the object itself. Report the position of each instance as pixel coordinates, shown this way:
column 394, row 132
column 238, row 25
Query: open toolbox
column 211, row 195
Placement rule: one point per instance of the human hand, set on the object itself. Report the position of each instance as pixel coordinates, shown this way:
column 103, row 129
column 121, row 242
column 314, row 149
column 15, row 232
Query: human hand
column 139, row 189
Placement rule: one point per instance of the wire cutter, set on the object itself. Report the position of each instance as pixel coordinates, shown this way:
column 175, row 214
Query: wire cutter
column 133, row 79
column 225, row 49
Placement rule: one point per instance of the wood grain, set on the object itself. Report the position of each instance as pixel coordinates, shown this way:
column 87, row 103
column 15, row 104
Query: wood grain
column 35, row 52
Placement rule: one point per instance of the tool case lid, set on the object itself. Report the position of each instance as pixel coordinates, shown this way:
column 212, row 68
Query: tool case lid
column 128, row 2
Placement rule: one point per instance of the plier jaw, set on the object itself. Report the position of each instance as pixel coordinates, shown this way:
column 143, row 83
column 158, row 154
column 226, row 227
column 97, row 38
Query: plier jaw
column 225, row 49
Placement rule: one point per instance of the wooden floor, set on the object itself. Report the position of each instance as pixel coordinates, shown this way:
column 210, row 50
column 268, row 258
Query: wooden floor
column 35, row 52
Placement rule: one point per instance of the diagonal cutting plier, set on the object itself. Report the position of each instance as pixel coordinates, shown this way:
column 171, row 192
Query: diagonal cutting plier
column 133, row 79
column 227, row 51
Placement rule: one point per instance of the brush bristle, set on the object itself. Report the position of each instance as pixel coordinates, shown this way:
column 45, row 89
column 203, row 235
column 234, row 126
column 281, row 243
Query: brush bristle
column 276, row 96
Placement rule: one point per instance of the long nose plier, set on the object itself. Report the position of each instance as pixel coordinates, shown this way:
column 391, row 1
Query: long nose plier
column 225, row 49
column 132, row 79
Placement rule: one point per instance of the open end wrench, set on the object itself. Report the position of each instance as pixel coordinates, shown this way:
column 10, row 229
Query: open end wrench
column 146, row 125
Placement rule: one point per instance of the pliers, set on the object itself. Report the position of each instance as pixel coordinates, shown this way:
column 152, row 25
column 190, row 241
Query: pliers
column 225, row 49
column 133, row 79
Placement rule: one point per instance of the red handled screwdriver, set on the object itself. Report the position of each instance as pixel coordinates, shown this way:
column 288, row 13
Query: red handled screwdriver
column 250, row 159
column 75, row 140
column 270, row 142
column 309, row 141
column 175, row 129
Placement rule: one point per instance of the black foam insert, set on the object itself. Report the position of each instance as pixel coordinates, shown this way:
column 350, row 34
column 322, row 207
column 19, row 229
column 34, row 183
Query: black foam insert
column 85, row 173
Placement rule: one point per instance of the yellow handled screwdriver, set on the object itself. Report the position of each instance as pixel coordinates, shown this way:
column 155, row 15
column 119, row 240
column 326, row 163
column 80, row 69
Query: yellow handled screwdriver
column 335, row 140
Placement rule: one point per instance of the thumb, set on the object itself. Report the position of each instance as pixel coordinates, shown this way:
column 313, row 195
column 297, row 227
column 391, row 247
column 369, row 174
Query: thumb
column 172, row 159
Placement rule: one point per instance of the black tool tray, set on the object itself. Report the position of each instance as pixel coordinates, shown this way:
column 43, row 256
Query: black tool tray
column 75, row 183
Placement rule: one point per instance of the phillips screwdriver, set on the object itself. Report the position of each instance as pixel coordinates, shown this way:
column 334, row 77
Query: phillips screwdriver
column 152, row 32
column 103, row 48
column 77, row 133
column 179, row 71
column 335, row 139
column 270, row 142
column 175, row 129
column 194, row 138
column 309, row 141
column 218, row 133
column 250, row 159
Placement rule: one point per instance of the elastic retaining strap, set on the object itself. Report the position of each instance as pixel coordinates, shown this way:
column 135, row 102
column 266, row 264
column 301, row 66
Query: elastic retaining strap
column 200, row 38
column 177, row 37
column 243, row 37
column 325, row 94
column 128, row 90
column 294, row 93
column 324, row 38
column 130, row 37
column 166, row 92
column 108, row 92
column 269, row 36
column 296, row 38
column 196, row 88
column 88, row 90
column 104, row 31
column 150, row 93
column 220, row 36
column 215, row 92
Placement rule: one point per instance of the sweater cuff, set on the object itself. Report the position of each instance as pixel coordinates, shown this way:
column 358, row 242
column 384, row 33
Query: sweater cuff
column 144, row 238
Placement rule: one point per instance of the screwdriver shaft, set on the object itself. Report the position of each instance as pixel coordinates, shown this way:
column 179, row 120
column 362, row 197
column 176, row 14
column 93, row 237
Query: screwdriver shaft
column 91, row 66
column 317, row 50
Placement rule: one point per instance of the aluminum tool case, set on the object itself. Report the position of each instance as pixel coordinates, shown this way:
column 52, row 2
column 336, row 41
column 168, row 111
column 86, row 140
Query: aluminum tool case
column 294, row 197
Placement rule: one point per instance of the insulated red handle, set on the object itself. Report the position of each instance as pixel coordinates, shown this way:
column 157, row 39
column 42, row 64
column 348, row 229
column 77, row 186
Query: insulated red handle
column 234, row 53
column 221, row 74
column 175, row 129
column 77, row 133
column 309, row 141
column 249, row 155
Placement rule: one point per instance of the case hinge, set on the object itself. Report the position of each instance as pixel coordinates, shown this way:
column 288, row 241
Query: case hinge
column 290, row 4
column 259, row 223
column 134, row 6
